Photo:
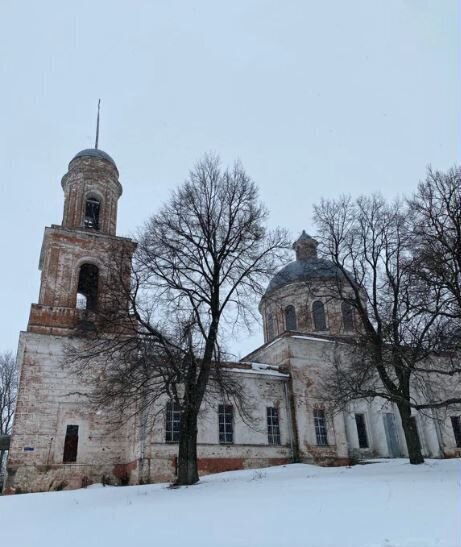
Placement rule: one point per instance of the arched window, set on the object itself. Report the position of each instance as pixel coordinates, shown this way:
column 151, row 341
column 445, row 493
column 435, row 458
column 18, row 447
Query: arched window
column 270, row 327
column 92, row 208
column 348, row 316
column 318, row 312
column 290, row 318
column 87, row 290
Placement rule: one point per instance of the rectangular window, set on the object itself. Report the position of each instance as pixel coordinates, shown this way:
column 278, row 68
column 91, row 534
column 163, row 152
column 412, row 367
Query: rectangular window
column 456, row 425
column 70, row 444
column 273, row 427
column 173, row 423
column 361, row 430
column 226, row 424
column 320, row 425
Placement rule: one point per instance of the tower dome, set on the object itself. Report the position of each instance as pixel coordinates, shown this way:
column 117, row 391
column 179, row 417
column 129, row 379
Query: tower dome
column 307, row 266
column 94, row 153
column 303, row 296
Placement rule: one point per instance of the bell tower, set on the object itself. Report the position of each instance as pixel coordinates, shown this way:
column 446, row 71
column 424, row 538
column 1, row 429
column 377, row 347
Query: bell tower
column 75, row 255
column 58, row 440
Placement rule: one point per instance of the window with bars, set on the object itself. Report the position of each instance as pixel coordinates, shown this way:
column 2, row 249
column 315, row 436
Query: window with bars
column 456, row 425
column 173, row 422
column 70, row 444
column 273, row 426
column 320, row 425
column 361, row 430
column 226, row 424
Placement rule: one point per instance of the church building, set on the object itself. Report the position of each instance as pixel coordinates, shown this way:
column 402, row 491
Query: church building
column 58, row 442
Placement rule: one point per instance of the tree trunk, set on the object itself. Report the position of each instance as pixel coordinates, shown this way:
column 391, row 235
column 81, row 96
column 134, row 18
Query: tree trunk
column 411, row 435
column 187, row 454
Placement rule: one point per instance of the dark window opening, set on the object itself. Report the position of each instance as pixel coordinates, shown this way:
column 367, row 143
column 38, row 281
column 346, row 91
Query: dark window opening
column 273, row 426
column 70, row 444
column 226, row 424
column 318, row 311
column 320, row 425
column 361, row 430
column 173, row 423
column 290, row 318
column 87, row 290
column 270, row 327
column 92, row 208
column 348, row 316
column 456, row 425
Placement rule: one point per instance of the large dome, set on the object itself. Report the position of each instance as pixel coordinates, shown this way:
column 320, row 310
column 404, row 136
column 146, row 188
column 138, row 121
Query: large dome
column 303, row 271
column 306, row 267
column 95, row 153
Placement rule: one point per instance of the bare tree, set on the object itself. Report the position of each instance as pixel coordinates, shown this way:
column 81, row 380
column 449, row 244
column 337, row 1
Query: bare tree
column 400, row 324
column 436, row 209
column 8, row 390
column 200, row 264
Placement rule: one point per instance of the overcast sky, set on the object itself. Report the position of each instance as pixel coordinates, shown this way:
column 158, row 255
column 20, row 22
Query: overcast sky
column 316, row 98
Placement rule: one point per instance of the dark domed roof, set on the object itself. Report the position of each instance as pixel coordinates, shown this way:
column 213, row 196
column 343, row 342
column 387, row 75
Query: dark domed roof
column 95, row 153
column 306, row 267
column 303, row 271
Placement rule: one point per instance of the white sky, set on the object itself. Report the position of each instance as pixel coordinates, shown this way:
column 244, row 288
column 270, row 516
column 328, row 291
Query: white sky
column 316, row 98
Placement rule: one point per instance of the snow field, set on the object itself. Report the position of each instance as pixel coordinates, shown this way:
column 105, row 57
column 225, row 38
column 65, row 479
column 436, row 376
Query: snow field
column 384, row 504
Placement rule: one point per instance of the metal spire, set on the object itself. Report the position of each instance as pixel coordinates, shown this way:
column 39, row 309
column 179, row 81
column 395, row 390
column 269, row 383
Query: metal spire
column 97, row 125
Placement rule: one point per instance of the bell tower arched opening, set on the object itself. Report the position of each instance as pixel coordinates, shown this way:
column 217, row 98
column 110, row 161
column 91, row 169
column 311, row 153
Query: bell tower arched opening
column 87, row 289
column 92, row 210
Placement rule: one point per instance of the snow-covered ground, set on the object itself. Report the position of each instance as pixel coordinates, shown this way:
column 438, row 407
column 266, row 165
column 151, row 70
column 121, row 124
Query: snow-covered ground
column 386, row 504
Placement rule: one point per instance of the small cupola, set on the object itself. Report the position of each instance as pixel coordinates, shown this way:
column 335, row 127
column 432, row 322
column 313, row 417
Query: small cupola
column 305, row 247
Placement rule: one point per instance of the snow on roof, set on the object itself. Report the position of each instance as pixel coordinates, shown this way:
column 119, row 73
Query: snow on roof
column 312, row 338
column 260, row 372
column 256, row 368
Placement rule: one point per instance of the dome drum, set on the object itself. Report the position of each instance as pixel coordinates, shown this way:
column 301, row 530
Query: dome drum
column 301, row 296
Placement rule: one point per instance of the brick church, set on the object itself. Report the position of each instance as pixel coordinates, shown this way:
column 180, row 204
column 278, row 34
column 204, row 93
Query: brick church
column 58, row 442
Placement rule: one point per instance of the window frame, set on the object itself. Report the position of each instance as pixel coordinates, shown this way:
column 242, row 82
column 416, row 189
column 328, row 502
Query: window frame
column 273, row 426
column 320, row 427
column 172, row 424
column 226, row 420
